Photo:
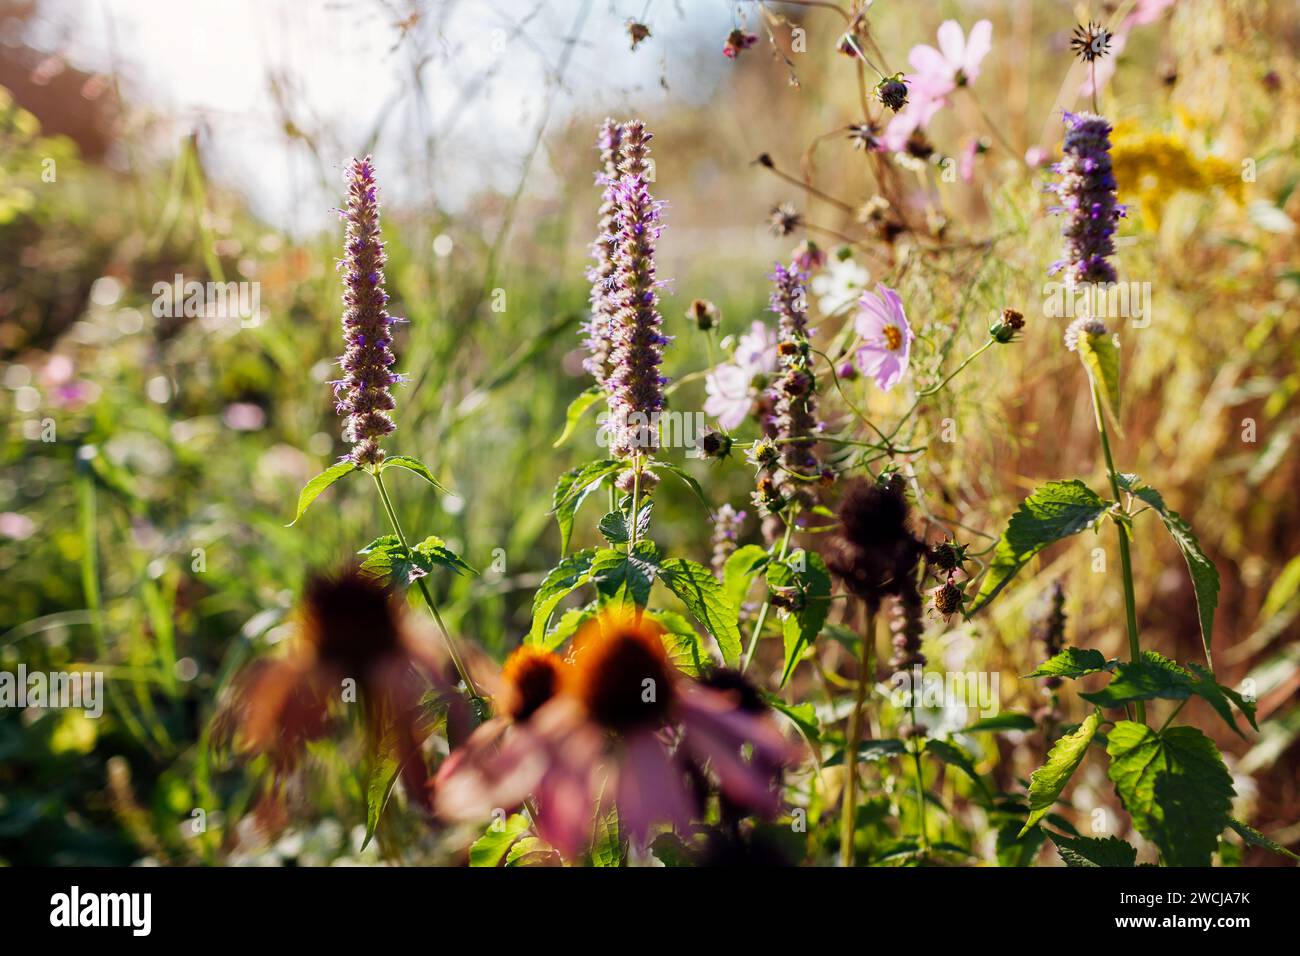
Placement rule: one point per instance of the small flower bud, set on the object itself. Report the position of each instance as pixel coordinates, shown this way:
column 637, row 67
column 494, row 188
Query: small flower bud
column 892, row 91
column 1007, row 328
column 715, row 444
column 704, row 314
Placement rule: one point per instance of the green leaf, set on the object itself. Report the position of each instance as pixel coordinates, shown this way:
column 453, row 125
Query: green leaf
column 563, row 579
column 1255, row 838
column 1175, row 787
column 1010, row 720
column 804, row 716
column 568, row 625
column 577, row 408
column 1018, row 849
column 573, row 488
column 607, row 845
column 386, row 558
column 812, row 589
column 685, row 476
column 1054, row 511
column 1073, row 662
column 741, row 569
column 312, row 490
column 626, row 577
column 871, row 750
column 532, row 851
column 1047, row 782
column 383, row 777
column 699, row 590
column 614, row 525
column 1100, row 357
column 414, row 465
column 1094, row 851
column 686, row 649
column 950, row 753
column 491, row 848
column 1205, row 576
column 1153, row 676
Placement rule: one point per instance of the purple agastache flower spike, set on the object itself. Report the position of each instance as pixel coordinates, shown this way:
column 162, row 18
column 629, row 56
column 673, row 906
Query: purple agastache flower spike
column 793, row 392
column 635, row 385
column 1087, row 200
column 364, row 395
column 598, row 326
column 727, row 522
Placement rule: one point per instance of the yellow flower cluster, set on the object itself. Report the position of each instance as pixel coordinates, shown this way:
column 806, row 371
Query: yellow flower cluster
column 1150, row 167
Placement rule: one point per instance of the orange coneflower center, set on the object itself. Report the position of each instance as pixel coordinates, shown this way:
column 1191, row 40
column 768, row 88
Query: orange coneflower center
column 893, row 338
column 532, row 676
column 621, row 672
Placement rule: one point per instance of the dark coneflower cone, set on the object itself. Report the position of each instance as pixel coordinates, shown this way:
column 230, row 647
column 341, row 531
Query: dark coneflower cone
column 1048, row 625
column 1086, row 192
column 364, row 395
column 794, row 391
column 636, row 387
column 872, row 550
column 599, row 326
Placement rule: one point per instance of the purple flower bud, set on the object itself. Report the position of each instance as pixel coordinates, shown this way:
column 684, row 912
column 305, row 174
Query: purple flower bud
column 598, row 326
column 1087, row 191
column 636, row 388
column 793, row 393
column 364, row 396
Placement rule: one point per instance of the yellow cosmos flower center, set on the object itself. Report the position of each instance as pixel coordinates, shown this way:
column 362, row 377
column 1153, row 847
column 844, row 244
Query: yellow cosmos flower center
column 893, row 338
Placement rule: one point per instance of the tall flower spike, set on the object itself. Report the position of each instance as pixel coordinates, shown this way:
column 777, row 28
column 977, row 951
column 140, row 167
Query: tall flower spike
column 1087, row 199
column 636, row 387
column 364, row 395
column 794, row 392
column 726, row 529
column 601, row 274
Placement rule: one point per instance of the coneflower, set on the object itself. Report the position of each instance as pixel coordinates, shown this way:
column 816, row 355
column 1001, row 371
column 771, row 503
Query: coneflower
column 908, row 627
column 601, row 275
column 793, row 393
column 364, row 395
column 726, row 529
column 1087, row 199
column 872, row 550
column 636, row 387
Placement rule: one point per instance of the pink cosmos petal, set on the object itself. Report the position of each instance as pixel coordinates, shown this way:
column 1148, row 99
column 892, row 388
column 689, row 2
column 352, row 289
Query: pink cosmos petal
column 650, row 787
column 978, row 45
column 728, row 396
column 927, row 60
column 952, row 43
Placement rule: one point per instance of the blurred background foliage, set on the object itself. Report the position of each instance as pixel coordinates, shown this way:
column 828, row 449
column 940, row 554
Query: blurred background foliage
column 147, row 539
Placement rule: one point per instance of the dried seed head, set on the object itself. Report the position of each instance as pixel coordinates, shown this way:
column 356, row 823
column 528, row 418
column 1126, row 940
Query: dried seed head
column 1091, row 42
column 892, row 91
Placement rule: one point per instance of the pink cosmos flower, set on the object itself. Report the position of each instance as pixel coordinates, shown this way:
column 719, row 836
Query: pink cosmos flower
column 954, row 64
column 920, row 109
column 729, row 388
column 886, row 336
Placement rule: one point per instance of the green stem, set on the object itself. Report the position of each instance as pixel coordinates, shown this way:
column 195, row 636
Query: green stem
column 920, row 777
column 762, row 611
column 632, row 515
column 1125, row 559
column 452, row 649
column 849, row 805
column 926, row 393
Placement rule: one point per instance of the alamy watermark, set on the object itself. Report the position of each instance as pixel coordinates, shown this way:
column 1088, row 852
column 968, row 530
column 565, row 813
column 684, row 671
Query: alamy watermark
column 209, row 300
column 974, row 690
column 56, row 689
column 1101, row 300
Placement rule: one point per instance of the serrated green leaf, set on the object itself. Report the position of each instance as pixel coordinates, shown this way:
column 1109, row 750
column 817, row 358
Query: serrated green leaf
column 1073, row 662
column 1094, row 851
column 627, row 578
column 607, row 844
column 491, row 848
column 532, row 851
column 802, row 715
column 408, row 463
column 1153, row 676
column 685, row 476
column 1047, row 782
column 800, row 628
column 1100, row 356
column 683, row 644
column 567, row 626
column 1255, row 838
column 741, row 569
column 1205, row 576
column 563, row 579
column 1054, row 511
column 1175, row 787
column 577, row 408
column 435, row 551
column 573, row 488
column 386, row 558
column 699, row 590
column 614, row 525
column 379, row 787
column 312, row 490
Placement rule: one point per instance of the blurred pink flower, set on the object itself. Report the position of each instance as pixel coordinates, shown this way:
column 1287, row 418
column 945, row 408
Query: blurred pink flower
column 954, row 64
column 15, row 526
column 1147, row 11
column 886, row 337
column 918, row 112
column 729, row 388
